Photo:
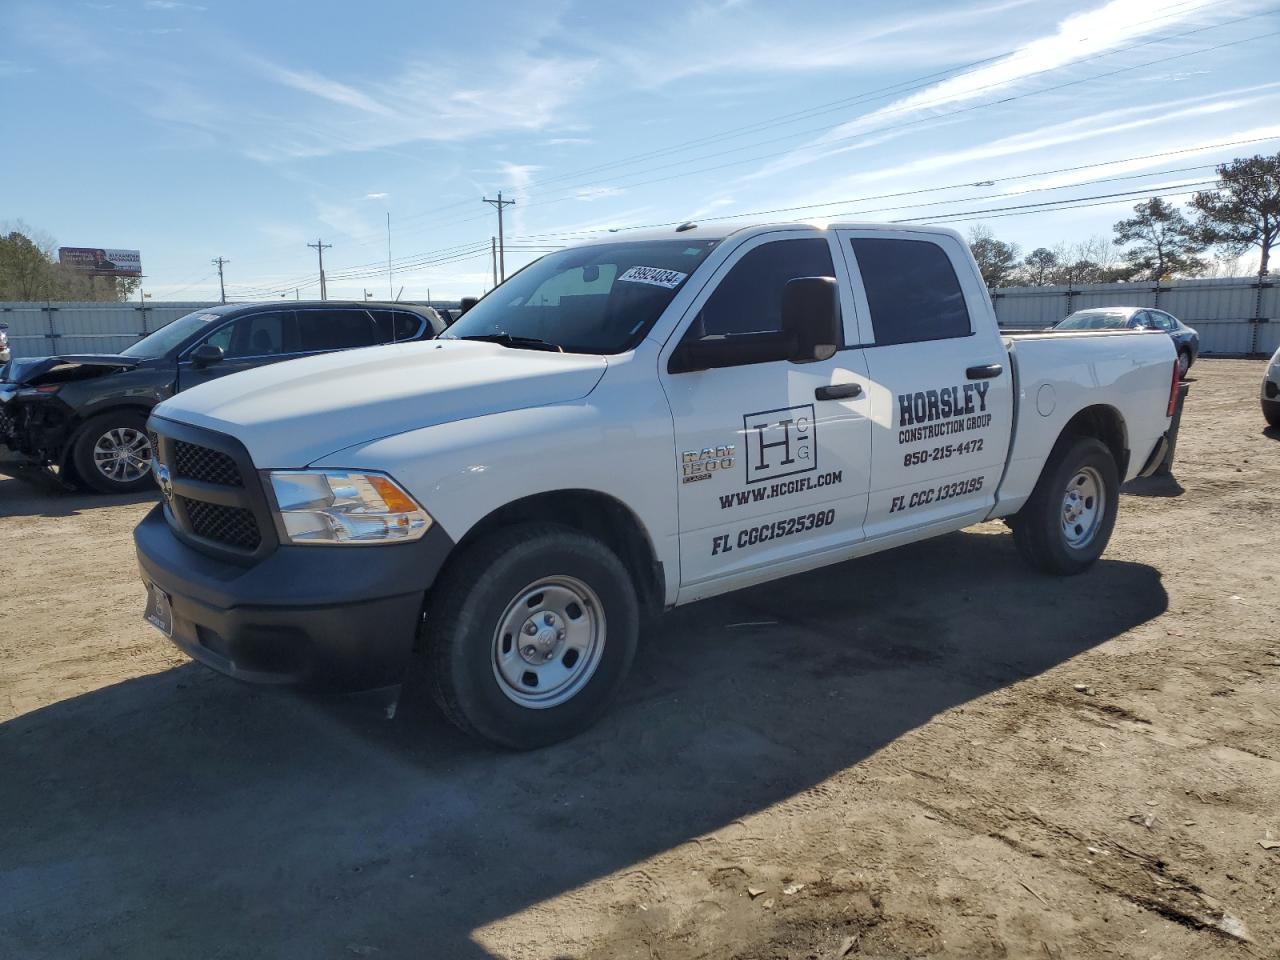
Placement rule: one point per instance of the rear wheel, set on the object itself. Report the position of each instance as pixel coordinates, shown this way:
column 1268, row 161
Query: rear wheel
column 1271, row 410
column 529, row 634
column 1066, row 524
column 112, row 453
column 1184, row 363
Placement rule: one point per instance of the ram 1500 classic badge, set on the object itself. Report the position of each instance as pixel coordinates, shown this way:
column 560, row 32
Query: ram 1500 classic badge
column 698, row 465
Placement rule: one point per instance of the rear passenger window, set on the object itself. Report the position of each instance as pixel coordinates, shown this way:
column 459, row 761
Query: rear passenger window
column 749, row 298
column 912, row 290
column 336, row 329
column 396, row 325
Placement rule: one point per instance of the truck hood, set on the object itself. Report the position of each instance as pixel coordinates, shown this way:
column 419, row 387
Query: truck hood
column 31, row 371
column 293, row 413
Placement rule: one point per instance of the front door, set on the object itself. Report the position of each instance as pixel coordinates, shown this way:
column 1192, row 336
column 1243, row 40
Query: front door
column 772, row 456
column 941, row 381
column 247, row 341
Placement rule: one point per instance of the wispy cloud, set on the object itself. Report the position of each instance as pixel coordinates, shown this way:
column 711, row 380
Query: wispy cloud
column 173, row 5
column 376, row 196
column 11, row 68
column 1080, row 35
column 566, row 141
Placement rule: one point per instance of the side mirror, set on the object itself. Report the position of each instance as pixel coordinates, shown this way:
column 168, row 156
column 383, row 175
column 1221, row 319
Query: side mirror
column 811, row 318
column 466, row 304
column 205, row 354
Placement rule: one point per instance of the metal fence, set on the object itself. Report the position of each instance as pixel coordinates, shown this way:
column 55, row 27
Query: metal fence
column 1235, row 316
column 40, row 329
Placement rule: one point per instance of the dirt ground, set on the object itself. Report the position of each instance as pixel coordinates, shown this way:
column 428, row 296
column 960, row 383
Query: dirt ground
column 931, row 752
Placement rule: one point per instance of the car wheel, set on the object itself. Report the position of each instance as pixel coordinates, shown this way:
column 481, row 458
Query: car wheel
column 1184, row 363
column 1271, row 410
column 529, row 634
column 1066, row 524
column 112, row 453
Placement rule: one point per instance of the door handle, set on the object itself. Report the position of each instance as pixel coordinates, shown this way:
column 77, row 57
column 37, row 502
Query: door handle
column 838, row 391
column 984, row 371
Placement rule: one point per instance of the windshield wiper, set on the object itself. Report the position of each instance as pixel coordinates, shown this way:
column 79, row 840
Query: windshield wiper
column 522, row 343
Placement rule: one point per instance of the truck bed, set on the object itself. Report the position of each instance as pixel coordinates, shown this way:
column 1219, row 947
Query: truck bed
column 1058, row 374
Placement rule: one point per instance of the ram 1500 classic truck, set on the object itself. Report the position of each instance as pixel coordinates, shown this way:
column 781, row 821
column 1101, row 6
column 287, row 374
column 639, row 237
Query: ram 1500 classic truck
column 619, row 428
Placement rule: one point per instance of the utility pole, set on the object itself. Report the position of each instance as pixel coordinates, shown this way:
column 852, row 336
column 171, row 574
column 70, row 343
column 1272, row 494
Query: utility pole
column 389, row 288
column 493, row 252
column 502, row 258
column 222, row 287
column 320, row 247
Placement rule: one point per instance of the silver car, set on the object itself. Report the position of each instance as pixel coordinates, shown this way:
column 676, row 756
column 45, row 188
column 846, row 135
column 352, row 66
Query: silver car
column 1271, row 391
column 5, row 353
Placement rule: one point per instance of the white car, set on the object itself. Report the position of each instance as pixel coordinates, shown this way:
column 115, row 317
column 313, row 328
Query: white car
column 619, row 428
column 1271, row 391
column 5, row 353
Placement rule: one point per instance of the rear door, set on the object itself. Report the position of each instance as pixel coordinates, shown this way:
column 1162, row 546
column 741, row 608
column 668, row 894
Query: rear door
column 250, row 340
column 772, row 456
column 940, row 380
column 325, row 329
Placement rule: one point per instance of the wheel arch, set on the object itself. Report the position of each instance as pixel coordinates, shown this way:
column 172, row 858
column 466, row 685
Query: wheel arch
column 1102, row 422
column 597, row 514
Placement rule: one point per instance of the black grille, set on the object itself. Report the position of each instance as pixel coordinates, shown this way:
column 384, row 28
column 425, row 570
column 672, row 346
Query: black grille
column 233, row 526
column 195, row 462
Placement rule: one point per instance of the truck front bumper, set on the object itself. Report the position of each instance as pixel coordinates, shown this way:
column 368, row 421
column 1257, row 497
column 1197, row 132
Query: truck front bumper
column 338, row 618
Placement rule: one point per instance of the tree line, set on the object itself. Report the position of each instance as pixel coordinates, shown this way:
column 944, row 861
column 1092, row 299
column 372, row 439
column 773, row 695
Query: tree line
column 29, row 270
column 1160, row 241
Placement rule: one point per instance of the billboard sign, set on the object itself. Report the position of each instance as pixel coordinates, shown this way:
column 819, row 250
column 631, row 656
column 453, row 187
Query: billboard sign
column 102, row 262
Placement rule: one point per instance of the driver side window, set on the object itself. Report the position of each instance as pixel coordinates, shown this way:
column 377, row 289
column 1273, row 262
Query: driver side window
column 749, row 298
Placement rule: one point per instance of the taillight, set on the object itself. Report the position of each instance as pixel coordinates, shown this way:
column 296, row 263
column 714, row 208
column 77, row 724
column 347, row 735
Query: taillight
column 1173, row 389
column 47, row 388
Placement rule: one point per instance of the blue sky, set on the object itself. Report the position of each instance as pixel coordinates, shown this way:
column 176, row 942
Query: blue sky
column 245, row 129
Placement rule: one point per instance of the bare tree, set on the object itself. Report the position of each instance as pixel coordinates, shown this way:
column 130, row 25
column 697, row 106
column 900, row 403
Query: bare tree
column 1244, row 211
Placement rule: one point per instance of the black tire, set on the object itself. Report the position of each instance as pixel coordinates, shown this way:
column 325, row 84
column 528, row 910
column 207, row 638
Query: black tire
column 1184, row 363
column 461, row 640
column 1271, row 410
column 1038, row 528
column 127, row 423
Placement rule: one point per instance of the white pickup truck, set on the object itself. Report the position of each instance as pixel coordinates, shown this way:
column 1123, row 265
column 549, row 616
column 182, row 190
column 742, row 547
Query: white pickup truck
column 619, row 428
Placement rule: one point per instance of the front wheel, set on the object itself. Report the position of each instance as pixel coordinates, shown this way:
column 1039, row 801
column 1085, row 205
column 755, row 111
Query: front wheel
column 112, row 453
column 1271, row 410
column 529, row 635
column 1066, row 523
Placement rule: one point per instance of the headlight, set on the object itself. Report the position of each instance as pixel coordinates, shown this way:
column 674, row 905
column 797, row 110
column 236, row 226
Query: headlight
column 343, row 506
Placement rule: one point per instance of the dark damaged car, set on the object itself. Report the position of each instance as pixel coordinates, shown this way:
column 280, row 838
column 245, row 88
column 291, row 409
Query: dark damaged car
column 86, row 413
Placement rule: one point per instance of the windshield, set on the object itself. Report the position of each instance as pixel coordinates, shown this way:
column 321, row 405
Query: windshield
column 597, row 299
column 1095, row 320
column 171, row 334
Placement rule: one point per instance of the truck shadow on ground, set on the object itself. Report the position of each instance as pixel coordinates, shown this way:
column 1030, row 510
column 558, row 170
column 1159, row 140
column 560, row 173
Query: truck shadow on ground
column 183, row 814
column 27, row 491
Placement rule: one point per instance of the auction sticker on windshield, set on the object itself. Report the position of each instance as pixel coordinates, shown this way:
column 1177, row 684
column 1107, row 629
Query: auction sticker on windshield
column 656, row 276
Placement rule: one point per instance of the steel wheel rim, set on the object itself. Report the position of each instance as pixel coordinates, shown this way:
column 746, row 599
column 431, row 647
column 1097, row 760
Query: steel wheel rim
column 1084, row 505
column 549, row 642
column 123, row 454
